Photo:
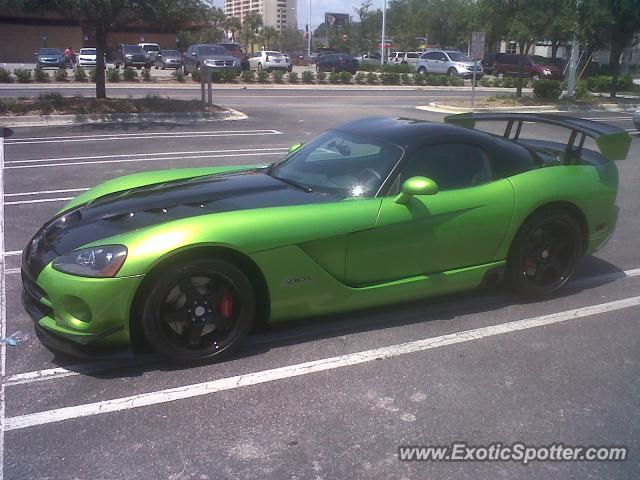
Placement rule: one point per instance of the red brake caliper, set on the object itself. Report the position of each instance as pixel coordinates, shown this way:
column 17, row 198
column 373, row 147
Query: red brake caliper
column 225, row 307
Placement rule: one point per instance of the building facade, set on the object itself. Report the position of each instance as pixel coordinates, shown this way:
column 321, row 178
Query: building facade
column 281, row 14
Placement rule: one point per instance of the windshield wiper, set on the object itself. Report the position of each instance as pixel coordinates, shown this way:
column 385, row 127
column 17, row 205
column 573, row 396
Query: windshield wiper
column 295, row 183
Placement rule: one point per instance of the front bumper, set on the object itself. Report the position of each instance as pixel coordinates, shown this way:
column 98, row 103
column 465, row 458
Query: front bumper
column 79, row 315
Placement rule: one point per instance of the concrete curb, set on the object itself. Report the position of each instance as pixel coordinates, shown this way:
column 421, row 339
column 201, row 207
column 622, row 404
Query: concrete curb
column 605, row 107
column 251, row 86
column 121, row 118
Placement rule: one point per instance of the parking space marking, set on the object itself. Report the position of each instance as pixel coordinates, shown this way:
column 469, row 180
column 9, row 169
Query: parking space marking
column 11, row 271
column 146, row 159
column 3, row 307
column 296, row 370
column 13, row 252
column 137, row 136
column 93, row 367
column 42, row 200
column 44, row 192
column 128, row 155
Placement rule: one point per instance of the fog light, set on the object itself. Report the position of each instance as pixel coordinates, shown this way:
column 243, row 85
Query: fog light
column 75, row 310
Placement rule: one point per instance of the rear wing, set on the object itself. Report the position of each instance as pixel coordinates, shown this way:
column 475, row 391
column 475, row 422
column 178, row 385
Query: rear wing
column 613, row 142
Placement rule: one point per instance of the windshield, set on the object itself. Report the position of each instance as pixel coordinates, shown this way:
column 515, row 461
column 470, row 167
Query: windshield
column 458, row 57
column 274, row 54
column 170, row 53
column 211, row 50
column 339, row 163
column 538, row 60
column 132, row 49
column 49, row 51
column 87, row 51
column 151, row 48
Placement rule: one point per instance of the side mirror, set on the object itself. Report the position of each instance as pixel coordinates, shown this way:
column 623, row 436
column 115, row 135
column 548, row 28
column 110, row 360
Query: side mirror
column 295, row 147
column 416, row 186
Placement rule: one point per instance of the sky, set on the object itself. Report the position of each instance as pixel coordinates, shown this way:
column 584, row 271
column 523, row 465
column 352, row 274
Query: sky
column 319, row 7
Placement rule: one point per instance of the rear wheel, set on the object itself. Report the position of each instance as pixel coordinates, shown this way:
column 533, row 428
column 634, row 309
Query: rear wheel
column 422, row 71
column 201, row 310
column 544, row 254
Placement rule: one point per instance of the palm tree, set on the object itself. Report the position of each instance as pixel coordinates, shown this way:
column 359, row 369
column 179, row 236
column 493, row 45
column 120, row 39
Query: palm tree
column 251, row 25
column 232, row 24
column 268, row 37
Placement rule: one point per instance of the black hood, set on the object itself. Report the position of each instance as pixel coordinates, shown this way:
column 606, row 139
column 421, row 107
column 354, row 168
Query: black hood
column 142, row 207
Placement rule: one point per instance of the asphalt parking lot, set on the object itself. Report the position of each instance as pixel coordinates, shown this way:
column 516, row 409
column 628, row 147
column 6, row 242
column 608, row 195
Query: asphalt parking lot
column 329, row 398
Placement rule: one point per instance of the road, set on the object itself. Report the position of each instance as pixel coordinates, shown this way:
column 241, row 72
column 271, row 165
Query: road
column 566, row 373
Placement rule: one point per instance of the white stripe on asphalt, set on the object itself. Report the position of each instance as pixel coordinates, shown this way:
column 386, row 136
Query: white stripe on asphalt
column 128, row 155
column 85, row 368
column 12, row 253
column 43, row 200
column 325, row 364
column 44, row 192
column 125, row 160
column 135, row 136
column 11, row 271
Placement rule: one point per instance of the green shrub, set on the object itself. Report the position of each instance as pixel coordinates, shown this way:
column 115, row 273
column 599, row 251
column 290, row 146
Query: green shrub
column 196, row 75
column 23, row 75
column 361, row 77
column 277, row 76
column 390, row 78
column 146, row 75
column 345, row 77
column 61, row 75
column 129, row 74
column 397, row 68
column 334, row 77
column 372, row 78
column 625, row 82
column 486, row 82
column 217, row 76
column 248, row 76
column 582, row 90
column 456, row 81
column 113, row 74
column 322, row 76
column 509, row 82
column 406, row 78
column 263, row 75
column 5, row 76
column 307, row 76
column 178, row 75
column 40, row 75
column 368, row 67
column 229, row 76
column 419, row 79
column 92, row 74
column 292, row 77
column 498, row 82
column 547, row 89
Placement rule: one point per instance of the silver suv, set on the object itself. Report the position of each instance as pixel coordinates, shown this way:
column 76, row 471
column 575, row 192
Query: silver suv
column 448, row 62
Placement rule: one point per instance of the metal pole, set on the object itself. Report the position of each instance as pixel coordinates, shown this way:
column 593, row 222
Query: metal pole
column 309, row 33
column 573, row 66
column 209, row 93
column 202, row 89
column 473, row 84
column 383, row 47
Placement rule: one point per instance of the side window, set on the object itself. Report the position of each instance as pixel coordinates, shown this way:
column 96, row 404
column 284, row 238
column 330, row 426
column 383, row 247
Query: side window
column 451, row 165
column 443, row 57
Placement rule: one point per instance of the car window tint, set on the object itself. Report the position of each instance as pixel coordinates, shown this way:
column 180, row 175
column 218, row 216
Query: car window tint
column 443, row 57
column 412, row 55
column 449, row 165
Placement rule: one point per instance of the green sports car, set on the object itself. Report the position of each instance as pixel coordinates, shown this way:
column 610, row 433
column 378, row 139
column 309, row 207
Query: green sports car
column 376, row 211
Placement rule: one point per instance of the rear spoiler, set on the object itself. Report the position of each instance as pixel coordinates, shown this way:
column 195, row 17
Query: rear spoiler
column 613, row 142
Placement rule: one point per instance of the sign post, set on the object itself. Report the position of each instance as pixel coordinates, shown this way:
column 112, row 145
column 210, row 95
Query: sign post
column 476, row 51
column 206, row 77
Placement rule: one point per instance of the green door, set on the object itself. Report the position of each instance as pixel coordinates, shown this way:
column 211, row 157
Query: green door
column 462, row 225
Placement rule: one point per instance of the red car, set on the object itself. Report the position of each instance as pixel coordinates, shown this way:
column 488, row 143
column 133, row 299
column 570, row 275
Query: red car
column 535, row 67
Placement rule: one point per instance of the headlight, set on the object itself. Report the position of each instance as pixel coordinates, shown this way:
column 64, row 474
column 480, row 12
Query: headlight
column 546, row 71
column 128, row 55
column 103, row 261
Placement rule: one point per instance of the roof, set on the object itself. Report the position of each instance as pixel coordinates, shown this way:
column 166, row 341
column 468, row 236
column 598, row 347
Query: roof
column 405, row 132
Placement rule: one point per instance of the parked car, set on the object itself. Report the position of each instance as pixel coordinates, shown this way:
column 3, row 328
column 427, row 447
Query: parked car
column 336, row 62
column 270, row 60
column 372, row 212
column 488, row 61
column 236, row 50
column 636, row 118
column 87, row 57
column 168, row 59
column 50, row 58
column 151, row 51
column 213, row 56
column 535, row 67
column 371, row 59
column 448, row 62
column 406, row 58
column 130, row 56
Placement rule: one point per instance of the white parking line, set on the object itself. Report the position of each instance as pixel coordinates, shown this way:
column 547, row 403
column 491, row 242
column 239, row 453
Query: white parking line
column 291, row 371
column 146, row 159
column 3, row 307
column 153, row 154
column 136, row 136
column 44, row 192
column 11, row 271
column 86, row 368
column 43, row 200
column 12, row 253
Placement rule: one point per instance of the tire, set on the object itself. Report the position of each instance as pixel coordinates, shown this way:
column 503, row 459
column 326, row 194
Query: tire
column 452, row 72
column 499, row 75
column 422, row 71
column 544, row 253
column 184, row 70
column 200, row 310
column 259, row 66
column 535, row 78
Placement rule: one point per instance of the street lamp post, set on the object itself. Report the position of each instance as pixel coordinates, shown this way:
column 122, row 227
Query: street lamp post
column 309, row 33
column 383, row 47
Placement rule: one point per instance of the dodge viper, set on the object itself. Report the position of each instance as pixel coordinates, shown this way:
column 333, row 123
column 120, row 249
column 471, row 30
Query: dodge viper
column 375, row 211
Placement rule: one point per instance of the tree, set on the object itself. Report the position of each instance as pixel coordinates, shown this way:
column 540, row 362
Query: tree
column 232, row 25
column 269, row 37
column 291, row 41
column 611, row 24
column 251, row 25
column 100, row 17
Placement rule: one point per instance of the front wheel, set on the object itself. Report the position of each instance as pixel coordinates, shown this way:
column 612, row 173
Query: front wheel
column 200, row 310
column 422, row 71
column 259, row 66
column 544, row 253
column 452, row 72
column 184, row 70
